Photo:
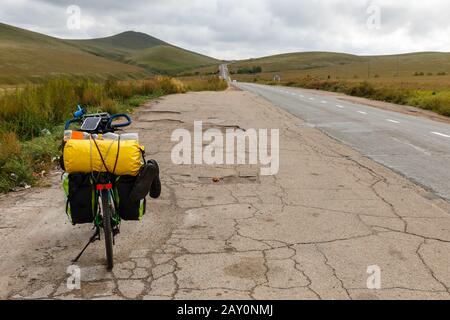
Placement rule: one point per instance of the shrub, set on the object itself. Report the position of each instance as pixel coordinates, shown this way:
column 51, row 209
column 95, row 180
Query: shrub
column 123, row 91
column 15, row 172
column 148, row 87
column 363, row 89
column 207, row 84
column 9, row 146
column 438, row 102
column 169, row 85
column 249, row 70
column 109, row 105
column 40, row 151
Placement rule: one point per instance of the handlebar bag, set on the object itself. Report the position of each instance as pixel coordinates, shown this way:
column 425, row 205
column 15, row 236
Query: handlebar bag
column 81, row 206
column 129, row 209
column 121, row 158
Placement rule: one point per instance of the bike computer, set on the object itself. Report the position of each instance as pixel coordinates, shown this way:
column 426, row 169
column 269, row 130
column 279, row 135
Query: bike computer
column 91, row 123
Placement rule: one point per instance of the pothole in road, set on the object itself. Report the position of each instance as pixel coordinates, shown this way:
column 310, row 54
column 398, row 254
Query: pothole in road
column 243, row 179
column 162, row 120
column 161, row 111
column 222, row 127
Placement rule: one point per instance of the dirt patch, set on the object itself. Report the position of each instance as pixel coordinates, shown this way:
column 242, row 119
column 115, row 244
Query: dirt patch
column 249, row 268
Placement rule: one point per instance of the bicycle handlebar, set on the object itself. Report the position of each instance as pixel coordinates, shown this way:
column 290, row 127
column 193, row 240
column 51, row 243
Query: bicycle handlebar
column 108, row 121
column 121, row 125
column 80, row 112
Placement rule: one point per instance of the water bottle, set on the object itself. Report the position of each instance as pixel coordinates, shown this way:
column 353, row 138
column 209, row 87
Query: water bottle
column 129, row 136
column 110, row 136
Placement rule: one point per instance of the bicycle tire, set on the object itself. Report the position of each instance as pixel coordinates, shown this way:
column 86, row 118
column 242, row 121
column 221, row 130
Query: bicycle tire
column 107, row 229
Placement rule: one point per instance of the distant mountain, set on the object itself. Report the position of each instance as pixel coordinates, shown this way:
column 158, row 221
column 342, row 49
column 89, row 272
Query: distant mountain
column 145, row 51
column 129, row 40
column 27, row 56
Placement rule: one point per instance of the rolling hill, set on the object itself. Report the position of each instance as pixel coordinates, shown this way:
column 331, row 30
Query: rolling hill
column 416, row 67
column 27, row 56
column 298, row 61
column 147, row 52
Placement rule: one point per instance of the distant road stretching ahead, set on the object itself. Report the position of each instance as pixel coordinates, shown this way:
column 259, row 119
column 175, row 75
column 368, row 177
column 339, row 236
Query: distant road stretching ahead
column 223, row 71
column 416, row 147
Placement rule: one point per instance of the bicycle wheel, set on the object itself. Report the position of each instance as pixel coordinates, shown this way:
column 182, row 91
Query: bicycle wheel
column 106, row 211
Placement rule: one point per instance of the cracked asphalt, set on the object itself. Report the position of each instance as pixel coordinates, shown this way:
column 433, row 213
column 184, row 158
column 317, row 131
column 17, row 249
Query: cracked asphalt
column 310, row 232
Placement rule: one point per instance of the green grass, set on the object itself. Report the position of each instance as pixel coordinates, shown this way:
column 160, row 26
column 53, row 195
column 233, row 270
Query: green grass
column 29, row 57
column 297, row 61
column 170, row 60
column 145, row 51
column 210, row 83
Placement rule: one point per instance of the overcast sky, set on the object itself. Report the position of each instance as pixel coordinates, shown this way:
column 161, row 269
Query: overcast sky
column 237, row 29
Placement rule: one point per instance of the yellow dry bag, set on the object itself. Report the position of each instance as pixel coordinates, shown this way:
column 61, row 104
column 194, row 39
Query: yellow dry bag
column 122, row 158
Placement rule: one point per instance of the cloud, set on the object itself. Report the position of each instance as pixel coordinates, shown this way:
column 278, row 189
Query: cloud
column 236, row 29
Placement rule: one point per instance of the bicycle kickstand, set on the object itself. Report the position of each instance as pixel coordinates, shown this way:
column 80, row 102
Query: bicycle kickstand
column 95, row 237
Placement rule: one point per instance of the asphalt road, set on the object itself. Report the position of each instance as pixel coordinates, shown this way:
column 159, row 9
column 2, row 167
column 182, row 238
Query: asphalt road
column 223, row 71
column 319, row 229
column 415, row 147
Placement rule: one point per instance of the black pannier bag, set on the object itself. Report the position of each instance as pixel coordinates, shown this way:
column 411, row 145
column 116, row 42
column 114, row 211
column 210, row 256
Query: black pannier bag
column 128, row 209
column 81, row 201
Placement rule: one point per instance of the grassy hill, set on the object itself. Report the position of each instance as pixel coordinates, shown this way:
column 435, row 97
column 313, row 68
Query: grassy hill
column 146, row 52
column 419, row 79
column 27, row 56
column 423, row 69
column 297, row 61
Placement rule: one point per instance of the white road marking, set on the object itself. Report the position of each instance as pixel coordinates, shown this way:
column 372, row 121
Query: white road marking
column 323, row 101
column 339, row 106
column 393, row 121
column 441, row 134
column 311, row 99
column 301, row 96
column 362, row 112
column 413, row 146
